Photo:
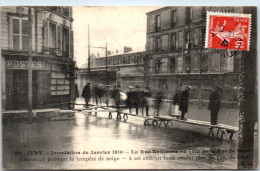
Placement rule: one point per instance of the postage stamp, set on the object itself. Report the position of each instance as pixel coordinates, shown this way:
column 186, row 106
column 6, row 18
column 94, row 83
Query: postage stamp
column 228, row 31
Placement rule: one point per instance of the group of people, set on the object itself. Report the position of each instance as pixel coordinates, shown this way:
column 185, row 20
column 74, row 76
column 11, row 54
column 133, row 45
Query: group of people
column 138, row 99
column 181, row 99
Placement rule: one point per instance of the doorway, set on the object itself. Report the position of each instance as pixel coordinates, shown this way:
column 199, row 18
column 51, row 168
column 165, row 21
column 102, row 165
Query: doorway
column 17, row 89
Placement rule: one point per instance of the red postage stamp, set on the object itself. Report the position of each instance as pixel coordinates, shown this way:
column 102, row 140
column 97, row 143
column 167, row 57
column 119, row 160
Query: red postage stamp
column 228, row 31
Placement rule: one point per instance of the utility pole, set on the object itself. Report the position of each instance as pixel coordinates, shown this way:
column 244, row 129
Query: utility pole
column 88, row 50
column 30, row 65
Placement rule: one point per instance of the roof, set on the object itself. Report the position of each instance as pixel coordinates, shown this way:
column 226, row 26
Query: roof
column 118, row 54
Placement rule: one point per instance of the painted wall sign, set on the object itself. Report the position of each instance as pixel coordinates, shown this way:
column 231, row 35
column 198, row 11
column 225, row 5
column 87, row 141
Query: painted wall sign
column 22, row 64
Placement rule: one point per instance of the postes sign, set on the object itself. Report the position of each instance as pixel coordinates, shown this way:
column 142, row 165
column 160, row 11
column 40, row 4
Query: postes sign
column 22, row 64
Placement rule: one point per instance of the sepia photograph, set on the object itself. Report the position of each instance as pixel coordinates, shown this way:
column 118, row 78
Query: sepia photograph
column 129, row 87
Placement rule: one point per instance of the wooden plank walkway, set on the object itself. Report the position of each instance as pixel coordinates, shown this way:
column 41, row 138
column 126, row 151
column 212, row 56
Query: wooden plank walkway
column 222, row 129
column 34, row 111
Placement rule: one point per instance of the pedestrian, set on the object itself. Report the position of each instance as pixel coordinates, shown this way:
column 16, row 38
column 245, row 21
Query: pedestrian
column 137, row 97
column 146, row 94
column 107, row 94
column 184, row 102
column 76, row 91
column 130, row 99
column 214, row 104
column 176, row 102
column 86, row 93
column 116, row 97
column 158, row 100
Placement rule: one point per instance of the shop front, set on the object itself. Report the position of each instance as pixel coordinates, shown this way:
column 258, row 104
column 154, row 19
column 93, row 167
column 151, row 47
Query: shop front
column 49, row 85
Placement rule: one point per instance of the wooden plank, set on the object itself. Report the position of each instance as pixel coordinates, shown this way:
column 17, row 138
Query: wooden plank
column 101, row 110
column 35, row 110
column 198, row 122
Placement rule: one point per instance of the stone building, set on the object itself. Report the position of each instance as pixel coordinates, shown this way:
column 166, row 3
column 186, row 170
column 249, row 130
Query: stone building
column 175, row 44
column 52, row 55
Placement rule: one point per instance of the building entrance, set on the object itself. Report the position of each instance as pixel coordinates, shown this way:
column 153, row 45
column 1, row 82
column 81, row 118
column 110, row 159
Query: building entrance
column 17, row 89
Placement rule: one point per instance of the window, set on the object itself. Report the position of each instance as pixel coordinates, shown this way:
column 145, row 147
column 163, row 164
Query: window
column 172, row 65
column 204, row 63
column 187, row 63
column 65, row 42
column 20, row 34
column 196, row 37
column 151, row 45
column 179, row 43
column 165, row 41
column 173, row 41
column 52, row 37
column 157, row 23
column 157, row 44
column 191, row 13
column 158, row 66
column 187, row 39
column 173, row 19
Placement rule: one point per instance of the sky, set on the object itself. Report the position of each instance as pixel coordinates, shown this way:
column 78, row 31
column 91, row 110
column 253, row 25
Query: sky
column 116, row 26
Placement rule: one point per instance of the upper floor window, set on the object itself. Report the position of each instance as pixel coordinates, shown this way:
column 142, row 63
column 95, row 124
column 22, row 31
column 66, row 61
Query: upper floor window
column 158, row 66
column 189, row 14
column 173, row 41
column 157, row 23
column 187, row 39
column 157, row 44
column 62, row 10
column 165, row 42
column 20, row 35
column 65, row 42
column 172, row 65
column 173, row 18
column 52, row 38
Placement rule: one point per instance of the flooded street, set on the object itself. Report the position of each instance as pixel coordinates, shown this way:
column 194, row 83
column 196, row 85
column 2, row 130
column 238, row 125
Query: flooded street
column 96, row 142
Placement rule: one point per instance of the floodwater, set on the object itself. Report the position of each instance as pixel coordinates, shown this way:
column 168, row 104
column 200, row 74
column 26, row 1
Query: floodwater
column 74, row 144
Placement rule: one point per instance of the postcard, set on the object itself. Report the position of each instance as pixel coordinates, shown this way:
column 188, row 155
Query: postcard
column 129, row 87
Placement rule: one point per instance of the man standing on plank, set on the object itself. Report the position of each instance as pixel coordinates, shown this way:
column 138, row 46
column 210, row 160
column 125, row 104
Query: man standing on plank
column 86, row 93
column 214, row 104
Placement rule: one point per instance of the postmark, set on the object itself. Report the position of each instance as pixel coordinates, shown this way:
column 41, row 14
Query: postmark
column 228, row 31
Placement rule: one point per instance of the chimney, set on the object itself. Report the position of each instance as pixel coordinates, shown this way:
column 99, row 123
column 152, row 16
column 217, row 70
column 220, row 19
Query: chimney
column 127, row 49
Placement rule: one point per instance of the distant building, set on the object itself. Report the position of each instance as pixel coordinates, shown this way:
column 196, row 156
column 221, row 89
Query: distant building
column 52, row 47
column 125, row 69
column 175, row 43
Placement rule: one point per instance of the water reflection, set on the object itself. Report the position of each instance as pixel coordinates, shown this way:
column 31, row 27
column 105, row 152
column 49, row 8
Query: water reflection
column 193, row 150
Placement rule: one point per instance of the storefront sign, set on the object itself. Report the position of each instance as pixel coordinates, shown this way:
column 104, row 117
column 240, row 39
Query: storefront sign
column 21, row 64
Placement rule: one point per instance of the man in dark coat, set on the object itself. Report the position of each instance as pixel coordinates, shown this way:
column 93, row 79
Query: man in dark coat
column 116, row 97
column 130, row 99
column 86, row 93
column 144, row 99
column 158, row 101
column 214, row 104
column 184, row 102
column 137, row 97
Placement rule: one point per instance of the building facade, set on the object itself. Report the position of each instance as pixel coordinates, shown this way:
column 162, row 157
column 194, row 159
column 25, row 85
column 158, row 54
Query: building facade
column 124, row 69
column 52, row 56
column 175, row 44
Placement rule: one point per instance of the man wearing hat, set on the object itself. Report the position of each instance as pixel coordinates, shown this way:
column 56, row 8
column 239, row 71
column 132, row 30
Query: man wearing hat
column 214, row 104
column 184, row 102
column 86, row 93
